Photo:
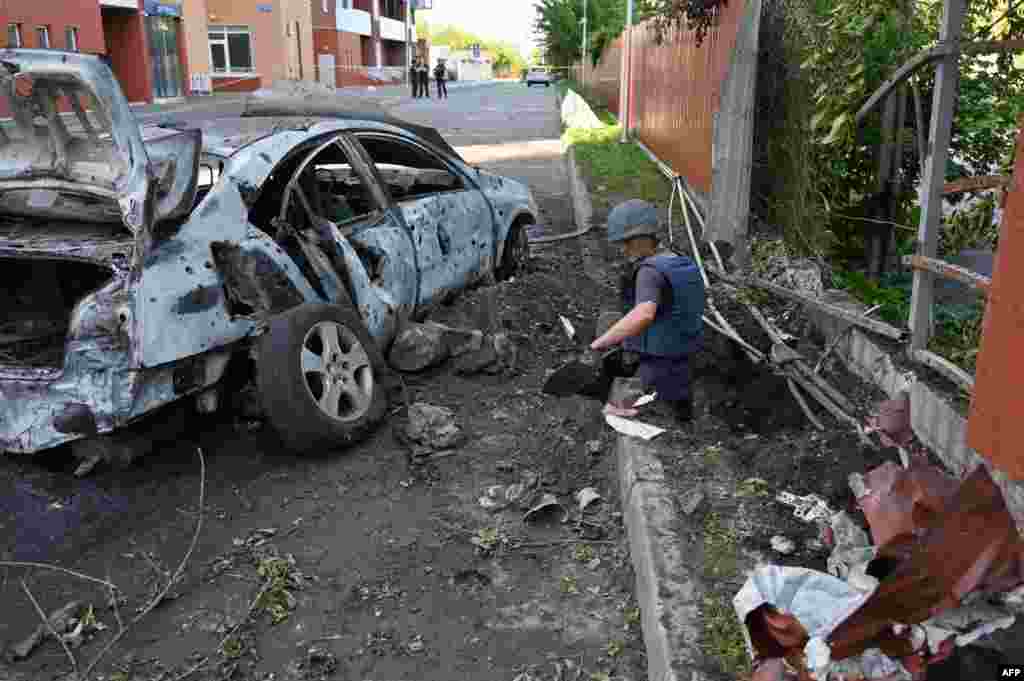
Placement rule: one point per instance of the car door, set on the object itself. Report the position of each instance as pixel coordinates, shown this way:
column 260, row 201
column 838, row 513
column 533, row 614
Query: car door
column 447, row 215
column 347, row 239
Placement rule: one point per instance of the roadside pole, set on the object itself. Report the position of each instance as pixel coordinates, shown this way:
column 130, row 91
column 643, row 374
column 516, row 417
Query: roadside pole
column 624, row 82
column 408, row 40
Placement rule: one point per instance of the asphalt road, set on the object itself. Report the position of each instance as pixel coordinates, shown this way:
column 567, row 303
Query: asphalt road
column 395, row 590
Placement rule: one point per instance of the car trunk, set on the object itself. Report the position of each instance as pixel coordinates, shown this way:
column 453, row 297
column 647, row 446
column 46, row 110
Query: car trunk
column 45, row 271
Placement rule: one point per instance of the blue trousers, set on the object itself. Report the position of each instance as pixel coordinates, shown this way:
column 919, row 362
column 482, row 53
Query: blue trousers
column 668, row 376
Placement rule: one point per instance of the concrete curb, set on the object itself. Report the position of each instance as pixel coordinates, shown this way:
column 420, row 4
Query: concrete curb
column 667, row 589
column 934, row 420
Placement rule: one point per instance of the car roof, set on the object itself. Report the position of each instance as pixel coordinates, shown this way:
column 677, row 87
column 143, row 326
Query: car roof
column 353, row 113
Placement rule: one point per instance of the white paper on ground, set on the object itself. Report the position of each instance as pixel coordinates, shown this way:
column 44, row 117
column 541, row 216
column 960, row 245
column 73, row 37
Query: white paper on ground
column 633, row 428
column 570, row 331
column 645, row 399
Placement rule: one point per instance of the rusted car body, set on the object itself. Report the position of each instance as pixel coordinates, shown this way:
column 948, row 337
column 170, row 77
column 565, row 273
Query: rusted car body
column 140, row 263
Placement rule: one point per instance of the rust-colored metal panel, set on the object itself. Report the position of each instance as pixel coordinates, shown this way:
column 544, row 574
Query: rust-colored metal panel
column 995, row 428
column 678, row 86
column 676, row 90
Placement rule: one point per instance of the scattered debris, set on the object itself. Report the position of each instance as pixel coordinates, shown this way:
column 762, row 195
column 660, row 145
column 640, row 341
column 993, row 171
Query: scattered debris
column 942, row 573
column 644, row 399
column 318, row 664
column 783, row 545
column 633, row 428
column 547, row 506
column 433, row 428
column 892, row 422
column 418, row 347
column 594, row 447
column 570, row 330
column 620, row 408
column 809, row 509
column 59, row 621
column 587, row 496
column 691, row 500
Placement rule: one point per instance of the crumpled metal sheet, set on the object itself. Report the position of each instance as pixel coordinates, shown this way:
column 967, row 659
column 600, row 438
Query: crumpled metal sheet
column 971, row 544
column 892, row 422
column 899, row 501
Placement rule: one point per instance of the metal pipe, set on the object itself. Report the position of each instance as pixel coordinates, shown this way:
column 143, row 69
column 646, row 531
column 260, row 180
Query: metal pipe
column 624, row 84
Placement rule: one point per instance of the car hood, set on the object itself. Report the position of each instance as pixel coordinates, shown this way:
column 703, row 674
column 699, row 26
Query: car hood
column 506, row 190
column 90, row 143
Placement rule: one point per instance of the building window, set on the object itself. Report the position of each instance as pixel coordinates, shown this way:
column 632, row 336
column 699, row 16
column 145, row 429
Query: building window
column 14, row 35
column 71, row 37
column 344, row 4
column 231, row 49
column 43, row 36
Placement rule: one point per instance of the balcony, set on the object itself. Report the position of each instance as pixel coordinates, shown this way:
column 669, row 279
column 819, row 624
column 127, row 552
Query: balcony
column 353, row 21
column 393, row 29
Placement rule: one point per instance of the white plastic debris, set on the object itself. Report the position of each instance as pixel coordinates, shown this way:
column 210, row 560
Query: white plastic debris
column 645, row 399
column 586, row 496
column 570, row 331
column 632, row 428
column 783, row 545
column 810, row 508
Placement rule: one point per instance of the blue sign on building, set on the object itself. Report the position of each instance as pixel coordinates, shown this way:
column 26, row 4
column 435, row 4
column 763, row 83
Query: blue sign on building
column 265, row 8
column 162, row 8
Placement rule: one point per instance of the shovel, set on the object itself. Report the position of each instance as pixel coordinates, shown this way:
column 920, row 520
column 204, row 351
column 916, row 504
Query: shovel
column 591, row 380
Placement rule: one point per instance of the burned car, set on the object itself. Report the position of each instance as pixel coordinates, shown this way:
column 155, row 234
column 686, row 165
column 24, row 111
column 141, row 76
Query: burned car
column 143, row 266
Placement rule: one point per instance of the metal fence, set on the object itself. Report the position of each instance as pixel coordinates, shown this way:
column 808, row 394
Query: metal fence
column 676, row 90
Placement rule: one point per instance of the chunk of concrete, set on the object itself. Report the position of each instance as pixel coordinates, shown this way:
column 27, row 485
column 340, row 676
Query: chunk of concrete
column 418, row 347
column 433, row 426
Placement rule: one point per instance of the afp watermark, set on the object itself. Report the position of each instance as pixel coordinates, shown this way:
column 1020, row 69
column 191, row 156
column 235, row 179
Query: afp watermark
column 1011, row 671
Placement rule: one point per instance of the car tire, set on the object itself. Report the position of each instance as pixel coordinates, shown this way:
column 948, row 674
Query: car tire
column 515, row 253
column 319, row 390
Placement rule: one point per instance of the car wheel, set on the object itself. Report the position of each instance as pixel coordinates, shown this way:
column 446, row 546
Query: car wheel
column 320, row 377
column 516, row 252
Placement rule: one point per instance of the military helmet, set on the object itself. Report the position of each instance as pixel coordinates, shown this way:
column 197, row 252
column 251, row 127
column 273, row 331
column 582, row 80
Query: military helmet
column 631, row 219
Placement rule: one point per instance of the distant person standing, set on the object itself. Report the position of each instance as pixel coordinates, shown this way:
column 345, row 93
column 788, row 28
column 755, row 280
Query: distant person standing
column 414, row 78
column 440, row 75
column 424, row 72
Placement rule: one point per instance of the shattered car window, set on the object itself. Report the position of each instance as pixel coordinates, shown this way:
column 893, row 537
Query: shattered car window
column 57, row 133
column 408, row 171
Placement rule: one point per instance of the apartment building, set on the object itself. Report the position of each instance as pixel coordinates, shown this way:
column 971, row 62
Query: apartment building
column 140, row 39
column 359, row 41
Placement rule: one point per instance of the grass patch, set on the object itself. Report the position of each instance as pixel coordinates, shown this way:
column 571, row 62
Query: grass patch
column 611, row 167
column 724, row 637
column 722, row 633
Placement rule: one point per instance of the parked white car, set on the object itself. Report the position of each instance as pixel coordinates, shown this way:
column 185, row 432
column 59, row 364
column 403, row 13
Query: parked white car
column 538, row 75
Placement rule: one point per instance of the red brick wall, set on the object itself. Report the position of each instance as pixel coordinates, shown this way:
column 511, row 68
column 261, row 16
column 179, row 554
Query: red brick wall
column 56, row 15
column 129, row 53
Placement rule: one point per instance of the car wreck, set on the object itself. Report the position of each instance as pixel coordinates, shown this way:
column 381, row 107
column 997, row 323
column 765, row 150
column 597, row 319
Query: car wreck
column 141, row 265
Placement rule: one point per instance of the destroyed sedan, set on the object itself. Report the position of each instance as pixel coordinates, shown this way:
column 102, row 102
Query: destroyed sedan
column 143, row 266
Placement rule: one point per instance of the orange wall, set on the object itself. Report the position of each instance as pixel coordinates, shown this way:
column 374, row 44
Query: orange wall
column 269, row 58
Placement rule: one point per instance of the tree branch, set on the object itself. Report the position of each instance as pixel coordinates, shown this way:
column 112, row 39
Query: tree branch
column 171, row 582
column 938, row 52
column 53, row 632
column 57, row 568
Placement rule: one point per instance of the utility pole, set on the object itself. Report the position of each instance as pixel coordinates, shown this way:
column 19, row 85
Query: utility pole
column 585, row 3
column 408, row 38
column 624, row 84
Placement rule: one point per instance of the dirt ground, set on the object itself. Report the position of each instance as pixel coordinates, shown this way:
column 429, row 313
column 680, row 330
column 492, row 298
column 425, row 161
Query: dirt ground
column 385, row 581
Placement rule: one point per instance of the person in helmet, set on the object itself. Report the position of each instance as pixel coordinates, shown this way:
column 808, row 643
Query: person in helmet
column 663, row 302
